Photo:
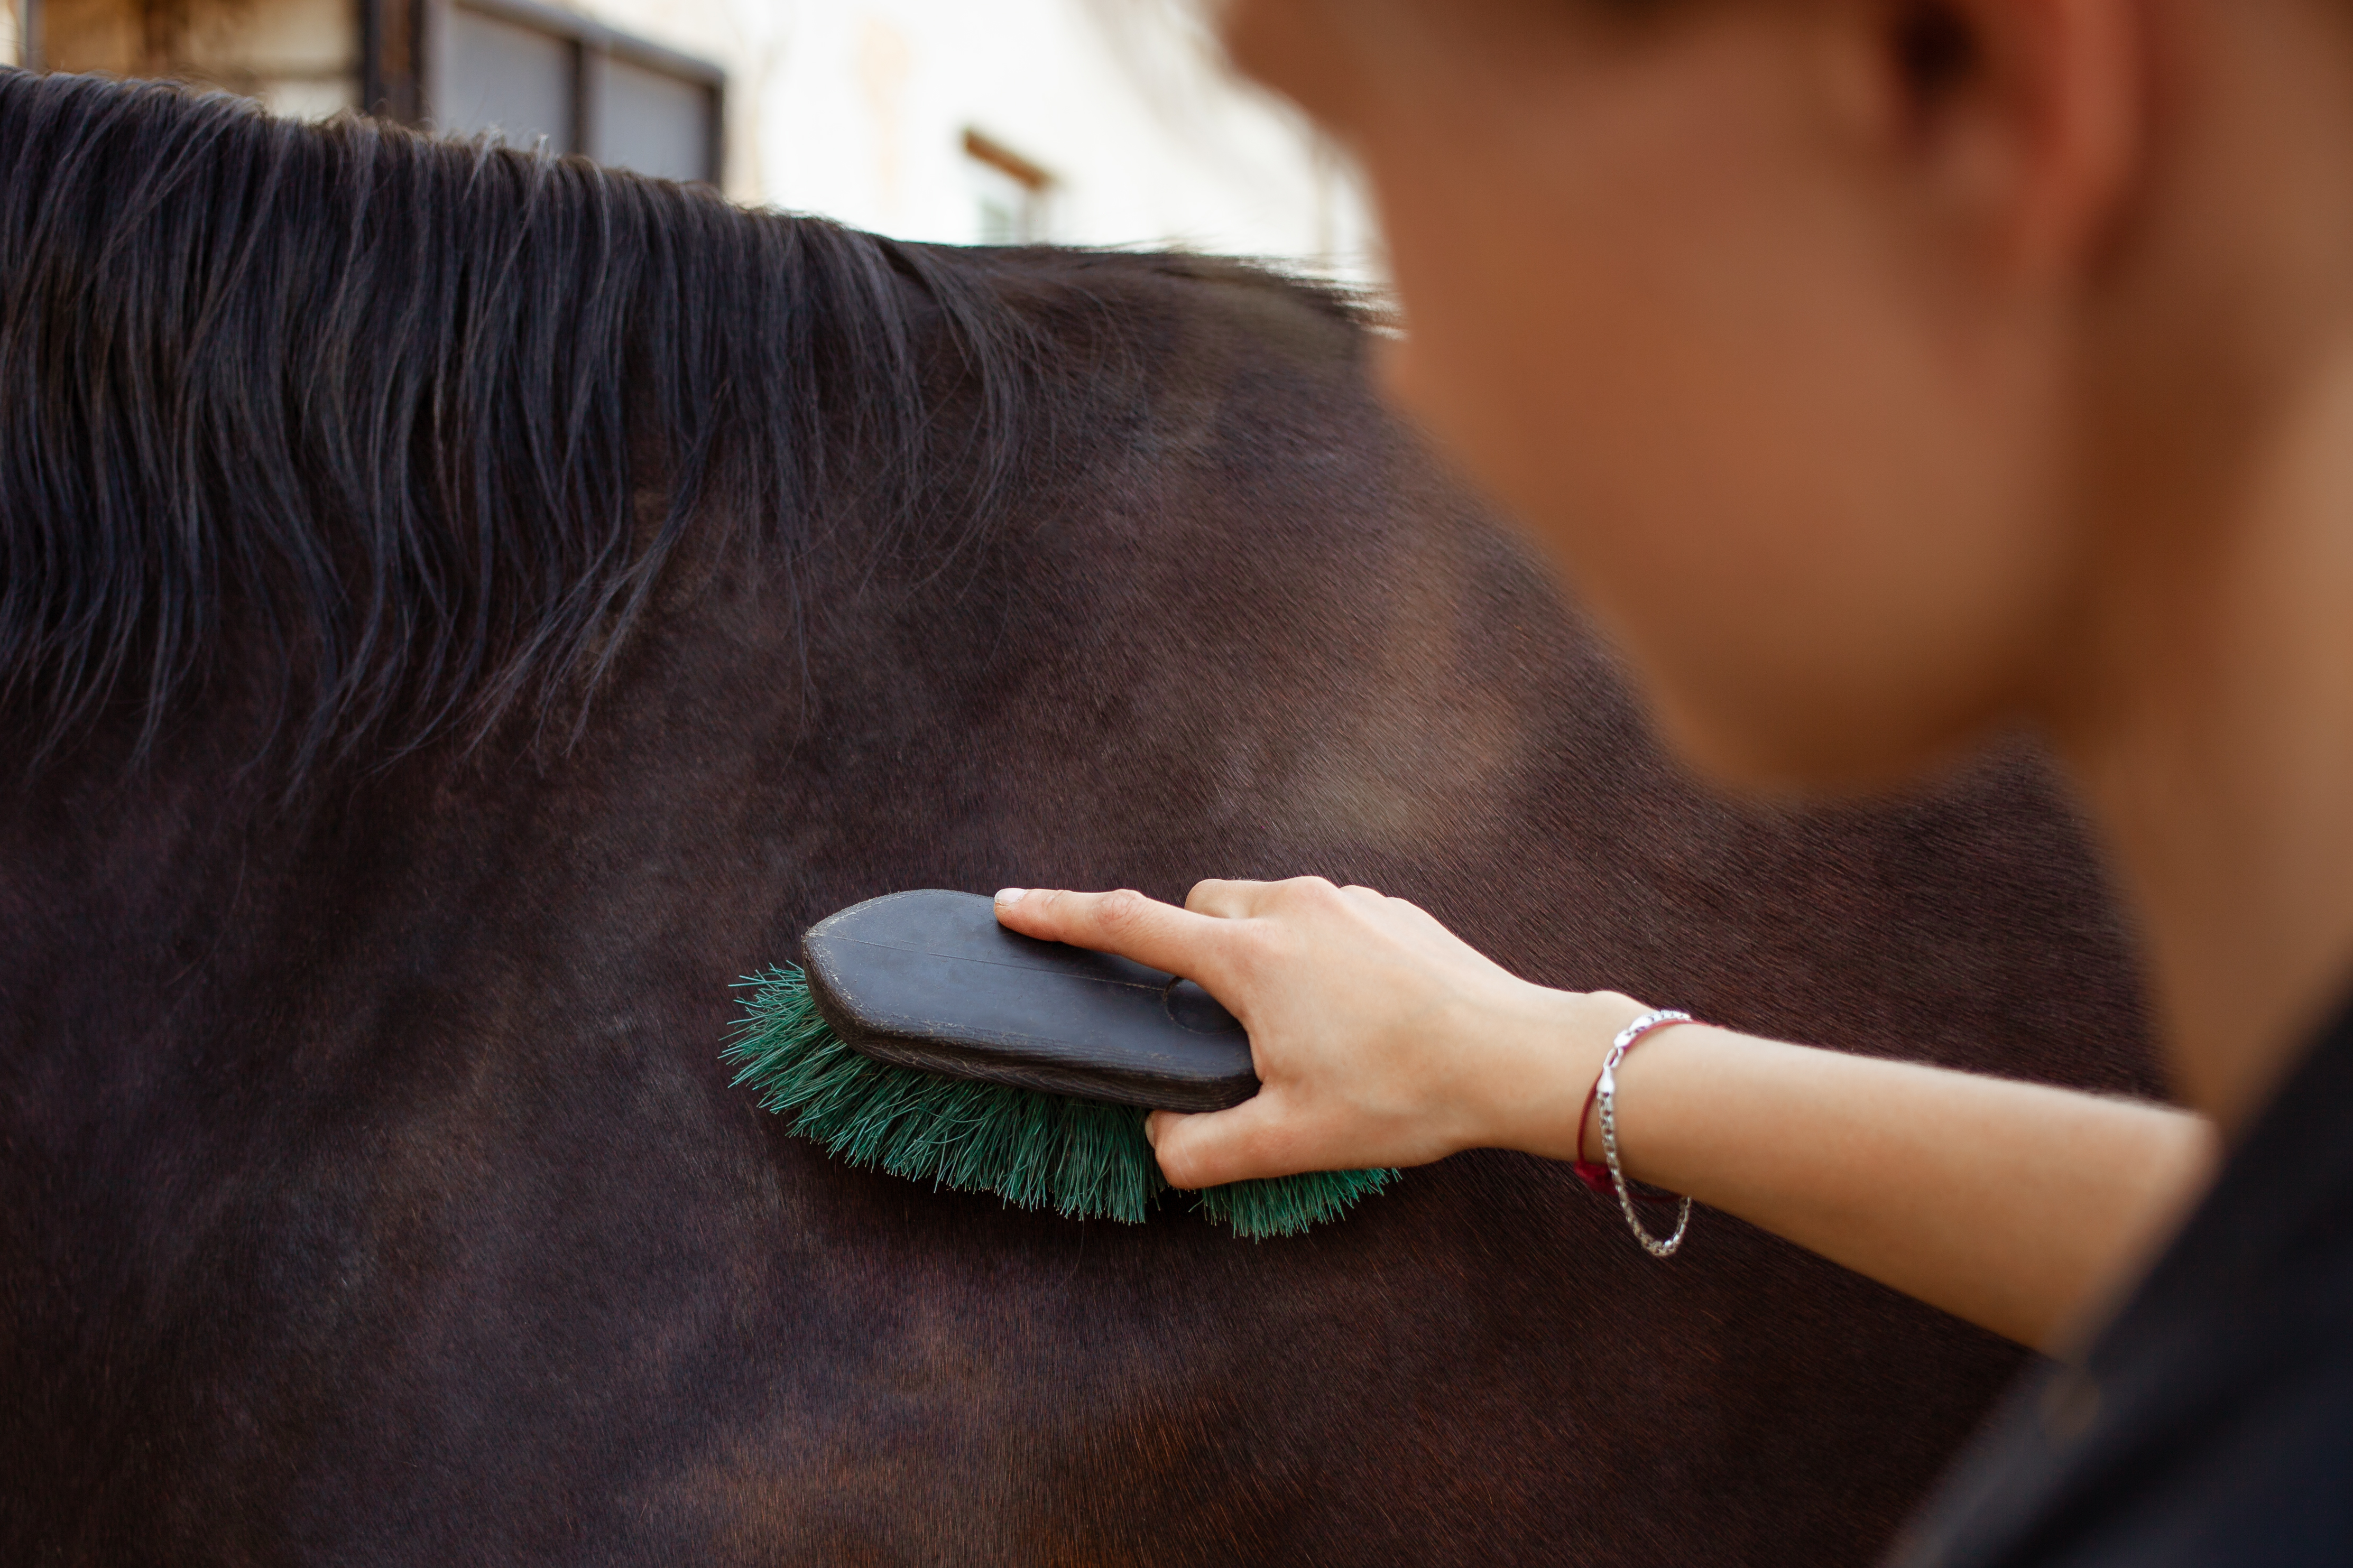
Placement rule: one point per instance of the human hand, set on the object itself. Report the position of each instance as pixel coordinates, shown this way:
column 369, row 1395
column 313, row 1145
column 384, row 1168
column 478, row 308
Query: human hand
column 1378, row 1036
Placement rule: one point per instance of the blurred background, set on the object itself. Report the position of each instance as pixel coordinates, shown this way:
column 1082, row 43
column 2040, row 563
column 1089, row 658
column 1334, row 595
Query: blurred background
column 971, row 121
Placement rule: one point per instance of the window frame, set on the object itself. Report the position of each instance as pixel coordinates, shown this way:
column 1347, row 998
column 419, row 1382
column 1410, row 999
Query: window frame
column 1033, row 180
column 403, row 68
column 591, row 46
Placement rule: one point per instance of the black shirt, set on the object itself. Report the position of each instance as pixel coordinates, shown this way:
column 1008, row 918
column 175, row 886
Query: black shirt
column 2213, row 1421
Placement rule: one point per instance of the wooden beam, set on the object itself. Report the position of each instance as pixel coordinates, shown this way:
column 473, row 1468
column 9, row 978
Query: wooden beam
column 998, row 155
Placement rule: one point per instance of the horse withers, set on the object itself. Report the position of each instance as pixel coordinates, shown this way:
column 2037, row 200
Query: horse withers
column 463, row 609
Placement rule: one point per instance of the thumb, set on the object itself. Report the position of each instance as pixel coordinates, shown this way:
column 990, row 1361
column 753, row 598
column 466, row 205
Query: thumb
column 1209, row 1148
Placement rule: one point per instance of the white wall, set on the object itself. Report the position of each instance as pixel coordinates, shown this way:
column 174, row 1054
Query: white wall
column 300, row 57
column 857, row 108
column 11, row 34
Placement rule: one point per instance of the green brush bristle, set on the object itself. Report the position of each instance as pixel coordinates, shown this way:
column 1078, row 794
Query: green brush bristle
column 1078, row 1157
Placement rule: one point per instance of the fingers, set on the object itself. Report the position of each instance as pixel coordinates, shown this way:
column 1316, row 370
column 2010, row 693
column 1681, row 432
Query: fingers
column 1209, row 1148
column 1124, row 923
column 1244, row 900
column 1214, row 896
column 1226, row 901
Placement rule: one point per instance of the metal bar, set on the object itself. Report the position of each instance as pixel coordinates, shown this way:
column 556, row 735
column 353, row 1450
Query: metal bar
column 587, row 87
column 717, row 149
column 429, row 23
column 423, row 16
column 374, row 93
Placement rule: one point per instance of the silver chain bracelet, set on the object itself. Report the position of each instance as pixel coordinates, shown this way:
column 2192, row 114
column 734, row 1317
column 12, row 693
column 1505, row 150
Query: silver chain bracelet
column 1605, row 1097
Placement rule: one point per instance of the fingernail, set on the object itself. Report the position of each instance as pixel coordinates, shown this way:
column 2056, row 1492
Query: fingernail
column 1010, row 894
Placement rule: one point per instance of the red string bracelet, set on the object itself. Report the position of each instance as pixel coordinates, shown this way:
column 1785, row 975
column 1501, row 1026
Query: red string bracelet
column 1594, row 1174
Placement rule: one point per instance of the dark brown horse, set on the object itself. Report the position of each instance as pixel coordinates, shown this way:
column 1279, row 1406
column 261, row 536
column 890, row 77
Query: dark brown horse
column 463, row 610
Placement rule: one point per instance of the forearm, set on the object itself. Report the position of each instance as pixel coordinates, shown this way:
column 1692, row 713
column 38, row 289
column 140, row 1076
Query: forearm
column 1381, row 1038
column 2017, row 1207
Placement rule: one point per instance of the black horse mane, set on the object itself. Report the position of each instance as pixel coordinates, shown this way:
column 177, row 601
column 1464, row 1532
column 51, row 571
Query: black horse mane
column 398, row 404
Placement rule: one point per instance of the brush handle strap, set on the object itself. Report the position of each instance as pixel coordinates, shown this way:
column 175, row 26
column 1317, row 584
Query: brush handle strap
column 1609, row 1178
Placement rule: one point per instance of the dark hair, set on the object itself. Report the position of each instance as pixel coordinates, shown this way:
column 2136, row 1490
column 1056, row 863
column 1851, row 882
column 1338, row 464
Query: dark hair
column 364, row 389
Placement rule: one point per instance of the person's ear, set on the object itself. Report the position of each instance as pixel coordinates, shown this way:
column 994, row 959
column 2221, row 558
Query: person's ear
column 2024, row 117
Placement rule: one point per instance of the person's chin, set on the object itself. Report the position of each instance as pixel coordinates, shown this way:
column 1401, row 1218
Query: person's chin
column 1806, row 749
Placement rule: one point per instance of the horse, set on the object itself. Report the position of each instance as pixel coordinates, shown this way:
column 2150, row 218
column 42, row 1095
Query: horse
column 464, row 608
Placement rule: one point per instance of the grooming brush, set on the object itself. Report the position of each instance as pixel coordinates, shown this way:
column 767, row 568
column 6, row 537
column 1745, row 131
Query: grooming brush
column 920, row 1037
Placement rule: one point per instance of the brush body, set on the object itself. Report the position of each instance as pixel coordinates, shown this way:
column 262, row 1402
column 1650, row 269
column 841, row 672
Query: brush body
column 928, row 979
column 925, row 1040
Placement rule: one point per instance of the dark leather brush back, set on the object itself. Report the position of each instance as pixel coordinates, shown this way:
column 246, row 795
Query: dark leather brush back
column 928, row 979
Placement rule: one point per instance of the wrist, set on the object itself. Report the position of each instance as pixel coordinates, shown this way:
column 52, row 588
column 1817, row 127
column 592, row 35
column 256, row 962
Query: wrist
column 1531, row 1093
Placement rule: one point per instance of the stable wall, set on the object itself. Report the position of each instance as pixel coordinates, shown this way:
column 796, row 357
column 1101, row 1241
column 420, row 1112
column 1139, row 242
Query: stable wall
column 298, row 56
column 1096, row 121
